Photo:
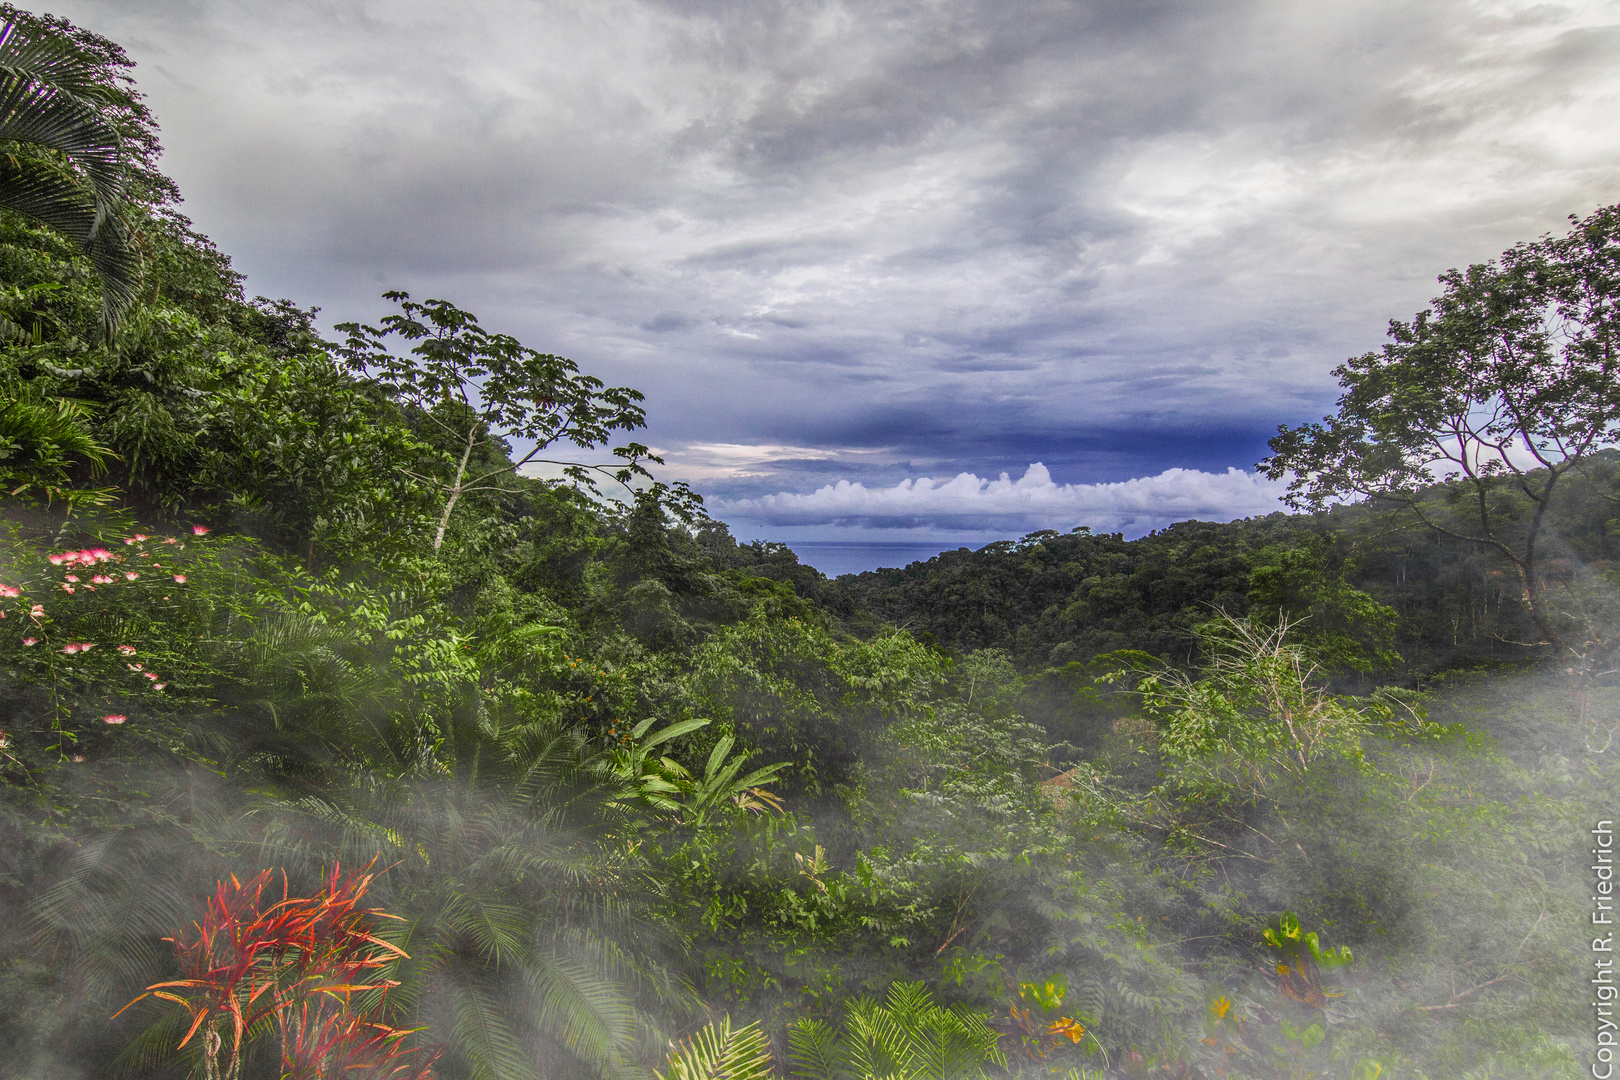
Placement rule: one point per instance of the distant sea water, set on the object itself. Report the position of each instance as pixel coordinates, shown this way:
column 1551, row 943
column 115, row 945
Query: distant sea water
column 835, row 557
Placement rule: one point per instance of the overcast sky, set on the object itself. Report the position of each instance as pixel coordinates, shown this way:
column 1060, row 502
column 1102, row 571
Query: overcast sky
column 865, row 258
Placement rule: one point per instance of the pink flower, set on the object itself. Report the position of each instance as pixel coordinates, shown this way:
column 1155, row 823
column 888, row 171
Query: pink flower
column 180, row 578
column 172, row 540
column 98, row 554
column 78, row 757
column 66, row 587
column 159, row 686
column 130, row 575
column 78, row 647
column 10, row 590
column 114, row 718
column 30, row 641
column 199, row 530
column 102, row 579
column 58, row 560
column 137, row 538
column 127, row 650
column 70, row 577
column 133, row 667
column 150, row 675
column 37, row 611
column 5, row 740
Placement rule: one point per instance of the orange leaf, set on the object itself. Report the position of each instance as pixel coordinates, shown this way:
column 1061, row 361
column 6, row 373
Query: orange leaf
column 195, row 1024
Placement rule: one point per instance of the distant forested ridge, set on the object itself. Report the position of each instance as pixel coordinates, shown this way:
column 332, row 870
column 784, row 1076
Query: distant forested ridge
column 1052, row 597
column 331, row 744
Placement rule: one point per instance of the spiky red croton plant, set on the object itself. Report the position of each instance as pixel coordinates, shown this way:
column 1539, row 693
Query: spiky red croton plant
column 309, row 966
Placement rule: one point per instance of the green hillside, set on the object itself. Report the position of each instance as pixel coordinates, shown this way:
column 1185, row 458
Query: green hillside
column 333, row 745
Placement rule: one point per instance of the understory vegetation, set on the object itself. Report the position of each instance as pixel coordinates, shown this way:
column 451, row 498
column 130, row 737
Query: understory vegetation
column 334, row 745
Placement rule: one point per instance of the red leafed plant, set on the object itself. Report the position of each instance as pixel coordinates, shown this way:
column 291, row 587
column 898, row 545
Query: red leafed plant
column 300, row 963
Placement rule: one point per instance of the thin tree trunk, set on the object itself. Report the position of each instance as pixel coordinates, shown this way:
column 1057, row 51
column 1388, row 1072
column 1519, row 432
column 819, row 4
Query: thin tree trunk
column 455, row 489
column 1534, row 590
column 444, row 520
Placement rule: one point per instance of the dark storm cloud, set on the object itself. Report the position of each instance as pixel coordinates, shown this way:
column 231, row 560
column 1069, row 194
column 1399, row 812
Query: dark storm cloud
column 879, row 241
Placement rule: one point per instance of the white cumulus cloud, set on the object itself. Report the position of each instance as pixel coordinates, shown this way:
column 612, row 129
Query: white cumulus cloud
column 968, row 502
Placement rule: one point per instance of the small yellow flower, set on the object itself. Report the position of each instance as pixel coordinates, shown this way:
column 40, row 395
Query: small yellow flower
column 1069, row 1029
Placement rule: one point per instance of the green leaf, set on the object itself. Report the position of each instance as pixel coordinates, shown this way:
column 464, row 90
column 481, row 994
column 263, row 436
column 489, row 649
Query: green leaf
column 674, row 731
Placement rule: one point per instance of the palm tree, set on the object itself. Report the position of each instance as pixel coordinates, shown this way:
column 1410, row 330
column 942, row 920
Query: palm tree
column 52, row 101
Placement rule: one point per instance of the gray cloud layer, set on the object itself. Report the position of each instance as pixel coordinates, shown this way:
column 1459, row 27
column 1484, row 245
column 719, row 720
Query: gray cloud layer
column 906, row 239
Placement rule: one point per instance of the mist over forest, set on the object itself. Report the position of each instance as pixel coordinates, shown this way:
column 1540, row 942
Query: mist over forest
column 336, row 742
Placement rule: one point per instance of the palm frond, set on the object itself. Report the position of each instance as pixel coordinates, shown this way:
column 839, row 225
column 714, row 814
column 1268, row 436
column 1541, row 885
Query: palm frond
column 49, row 98
column 493, row 928
column 483, row 1035
column 34, row 111
column 50, row 60
column 878, row 1046
column 717, row 1052
column 907, row 1037
column 816, row 1051
column 579, row 1008
column 154, row 1045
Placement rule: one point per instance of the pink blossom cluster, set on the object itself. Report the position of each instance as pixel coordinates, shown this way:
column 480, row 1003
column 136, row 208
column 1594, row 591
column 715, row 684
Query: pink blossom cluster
column 93, row 558
column 150, row 676
column 86, row 557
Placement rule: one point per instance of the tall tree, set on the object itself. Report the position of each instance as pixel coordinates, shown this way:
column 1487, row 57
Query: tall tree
column 1508, row 383
column 481, row 390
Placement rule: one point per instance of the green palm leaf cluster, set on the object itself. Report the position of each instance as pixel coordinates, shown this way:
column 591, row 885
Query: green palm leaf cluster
column 39, row 438
column 664, row 785
column 717, row 1052
column 67, row 165
column 907, row 1037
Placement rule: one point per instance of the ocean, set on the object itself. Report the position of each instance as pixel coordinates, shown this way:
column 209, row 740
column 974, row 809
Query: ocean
column 835, row 557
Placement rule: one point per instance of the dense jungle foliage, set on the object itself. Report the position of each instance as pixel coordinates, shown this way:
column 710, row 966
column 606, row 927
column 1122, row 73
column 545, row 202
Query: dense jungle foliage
column 332, row 745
